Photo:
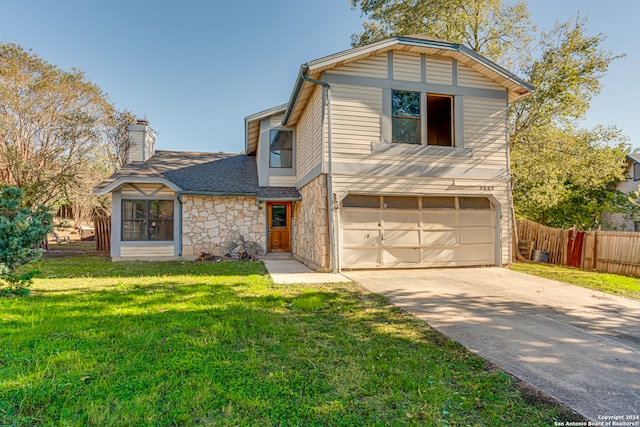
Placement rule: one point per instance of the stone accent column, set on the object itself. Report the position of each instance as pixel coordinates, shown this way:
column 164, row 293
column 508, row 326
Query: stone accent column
column 217, row 224
column 311, row 231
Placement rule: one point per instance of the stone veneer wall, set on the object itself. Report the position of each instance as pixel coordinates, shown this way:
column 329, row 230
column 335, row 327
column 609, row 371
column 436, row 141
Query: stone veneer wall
column 217, row 224
column 311, row 230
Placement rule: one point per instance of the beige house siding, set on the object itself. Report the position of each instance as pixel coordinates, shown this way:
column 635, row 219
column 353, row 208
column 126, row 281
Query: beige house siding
column 309, row 136
column 310, row 222
column 406, row 66
column 373, row 66
column 439, row 70
column 470, row 78
column 142, row 252
column 485, row 131
column 355, row 121
column 218, row 224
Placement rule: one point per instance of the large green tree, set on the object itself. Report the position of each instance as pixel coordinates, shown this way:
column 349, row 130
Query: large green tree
column 563, row 175
column 51, row 123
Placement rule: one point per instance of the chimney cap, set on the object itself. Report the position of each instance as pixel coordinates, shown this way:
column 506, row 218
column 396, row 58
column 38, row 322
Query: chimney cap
column 142, row 122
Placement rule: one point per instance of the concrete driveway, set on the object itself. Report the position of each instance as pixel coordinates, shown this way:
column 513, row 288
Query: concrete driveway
column 580, row 346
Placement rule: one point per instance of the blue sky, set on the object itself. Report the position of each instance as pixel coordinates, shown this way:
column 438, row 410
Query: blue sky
column 196, row 68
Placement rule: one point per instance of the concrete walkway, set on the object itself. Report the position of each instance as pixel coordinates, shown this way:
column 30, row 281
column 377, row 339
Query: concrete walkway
column 289, row 271
column 578, row 345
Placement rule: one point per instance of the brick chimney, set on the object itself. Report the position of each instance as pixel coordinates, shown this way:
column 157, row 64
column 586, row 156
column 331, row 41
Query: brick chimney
column 142, row 140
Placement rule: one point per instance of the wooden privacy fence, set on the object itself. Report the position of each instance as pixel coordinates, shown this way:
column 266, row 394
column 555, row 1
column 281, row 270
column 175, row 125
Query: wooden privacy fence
column 605, row 251
column 102, row 227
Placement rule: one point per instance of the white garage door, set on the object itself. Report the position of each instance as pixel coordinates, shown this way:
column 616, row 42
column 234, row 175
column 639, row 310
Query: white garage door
column 400, row 231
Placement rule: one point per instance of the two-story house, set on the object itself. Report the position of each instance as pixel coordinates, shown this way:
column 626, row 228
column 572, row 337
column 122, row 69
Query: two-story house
column 394, row 154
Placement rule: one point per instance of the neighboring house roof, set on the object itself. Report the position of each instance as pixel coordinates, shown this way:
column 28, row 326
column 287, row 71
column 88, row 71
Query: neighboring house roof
column 197, row 173
column 634, row 157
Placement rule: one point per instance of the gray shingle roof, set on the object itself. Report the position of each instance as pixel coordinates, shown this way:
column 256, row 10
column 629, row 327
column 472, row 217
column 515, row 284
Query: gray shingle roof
column 205, row 173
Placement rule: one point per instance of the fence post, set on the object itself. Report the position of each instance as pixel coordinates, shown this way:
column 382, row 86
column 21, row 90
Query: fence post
column 595, row 250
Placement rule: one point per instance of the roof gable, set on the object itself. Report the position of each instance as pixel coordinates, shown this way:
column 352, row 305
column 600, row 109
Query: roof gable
column 516, row 87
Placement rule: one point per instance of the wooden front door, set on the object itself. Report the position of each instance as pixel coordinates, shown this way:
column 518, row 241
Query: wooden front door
column 279, row 226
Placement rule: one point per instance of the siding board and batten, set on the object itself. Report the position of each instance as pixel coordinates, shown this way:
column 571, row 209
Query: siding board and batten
column 407, row 66
column 131, row 191
column 439, row 70
column 138, row 251
column 469, row 77
column 372, row 66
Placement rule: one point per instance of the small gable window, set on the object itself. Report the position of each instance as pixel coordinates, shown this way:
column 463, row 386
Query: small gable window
column 281, row 149
column 147, row 220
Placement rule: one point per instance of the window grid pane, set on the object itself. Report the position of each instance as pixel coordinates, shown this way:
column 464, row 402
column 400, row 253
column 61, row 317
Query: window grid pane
column 405, row 120
column 144, row 220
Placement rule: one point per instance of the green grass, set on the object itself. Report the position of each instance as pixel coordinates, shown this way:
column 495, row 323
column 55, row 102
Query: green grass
column 628, row 287
column 163, row 344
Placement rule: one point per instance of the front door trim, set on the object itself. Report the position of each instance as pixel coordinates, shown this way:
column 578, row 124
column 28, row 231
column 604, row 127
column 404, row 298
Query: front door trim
column 279, row 226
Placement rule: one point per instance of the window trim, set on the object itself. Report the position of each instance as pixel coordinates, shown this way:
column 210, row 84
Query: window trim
column 147, row 220
column 456, row 116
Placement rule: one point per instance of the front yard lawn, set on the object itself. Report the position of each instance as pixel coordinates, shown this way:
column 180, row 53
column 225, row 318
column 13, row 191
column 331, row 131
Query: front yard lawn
column 613, row 284
column 162, row 344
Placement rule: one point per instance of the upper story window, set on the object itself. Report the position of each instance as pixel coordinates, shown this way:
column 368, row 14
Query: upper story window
column 281, row 149
column 405, row 112
column 408, row 115
column 147, row 220
column 636, row 171
column 440, row 120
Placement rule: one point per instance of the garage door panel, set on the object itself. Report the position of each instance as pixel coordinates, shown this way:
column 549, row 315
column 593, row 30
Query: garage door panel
column 479, row 254
column 361, row 237
column 401, row 220
column 439, row 220
column 476, row 218
column 401, row 256
column 361, row 218
column 402, row 238
column 436, row 237
column 361, row 257
column 438, row 255
column 476, row 235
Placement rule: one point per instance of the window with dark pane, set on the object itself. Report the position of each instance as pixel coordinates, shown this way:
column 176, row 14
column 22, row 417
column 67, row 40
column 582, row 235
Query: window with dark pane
column 440, row 120
column 405, row 120
column 144, row 220
column 438, row 203
column 357, row 201
column 474, row 203
column 279, row 216
column 400, row 202
column 281, row 146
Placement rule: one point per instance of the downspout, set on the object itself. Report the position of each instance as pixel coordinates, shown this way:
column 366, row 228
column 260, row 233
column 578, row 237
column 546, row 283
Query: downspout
column 180, row 224
column 330, row 198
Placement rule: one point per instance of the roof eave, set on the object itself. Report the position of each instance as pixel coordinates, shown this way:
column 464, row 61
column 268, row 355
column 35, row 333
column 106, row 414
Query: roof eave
column 251, row 146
